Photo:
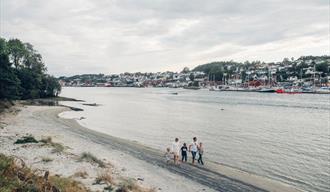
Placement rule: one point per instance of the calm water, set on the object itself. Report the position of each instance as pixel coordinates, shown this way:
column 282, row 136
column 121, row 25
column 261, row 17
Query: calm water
column 283, row 137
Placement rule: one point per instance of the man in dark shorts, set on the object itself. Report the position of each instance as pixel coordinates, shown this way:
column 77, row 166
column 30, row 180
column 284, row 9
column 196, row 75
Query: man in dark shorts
column 193, row 148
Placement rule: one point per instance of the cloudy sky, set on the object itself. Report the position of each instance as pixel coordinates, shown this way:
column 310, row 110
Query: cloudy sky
column 113, row 36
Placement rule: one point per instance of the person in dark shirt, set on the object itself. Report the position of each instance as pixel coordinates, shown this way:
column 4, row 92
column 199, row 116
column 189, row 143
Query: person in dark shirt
column 184, row 150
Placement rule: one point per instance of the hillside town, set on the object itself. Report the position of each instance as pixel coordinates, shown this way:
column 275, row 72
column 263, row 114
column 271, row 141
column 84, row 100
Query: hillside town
column 304, row 72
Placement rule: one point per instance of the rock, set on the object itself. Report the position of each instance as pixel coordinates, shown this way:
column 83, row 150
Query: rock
column 140, row 179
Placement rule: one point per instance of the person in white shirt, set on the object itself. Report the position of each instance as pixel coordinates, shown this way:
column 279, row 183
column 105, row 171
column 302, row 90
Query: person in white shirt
column 193, row 148
column 176, row 150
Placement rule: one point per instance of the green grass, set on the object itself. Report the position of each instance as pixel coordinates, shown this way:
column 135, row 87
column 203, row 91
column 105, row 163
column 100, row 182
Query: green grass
column 46, row 159
column 26, row 139
column 92, row 159
column 57, row 147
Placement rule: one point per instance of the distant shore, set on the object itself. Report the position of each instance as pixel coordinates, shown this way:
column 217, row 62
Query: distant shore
column 129, row 158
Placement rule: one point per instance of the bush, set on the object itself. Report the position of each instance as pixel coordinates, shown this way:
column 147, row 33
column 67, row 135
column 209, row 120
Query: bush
column 57, row 147
column 20, row 178
column 104, row 178
column 46, row 159
column 26, row 139
column 92, row 159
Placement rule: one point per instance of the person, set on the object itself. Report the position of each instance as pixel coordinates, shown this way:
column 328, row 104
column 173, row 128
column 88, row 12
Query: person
column 168, row 155
column 184, row 150
column 200, row 153
column 193, row 148
column 176, row 150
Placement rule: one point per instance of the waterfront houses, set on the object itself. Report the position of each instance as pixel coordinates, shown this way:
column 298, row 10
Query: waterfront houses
column 304, row 71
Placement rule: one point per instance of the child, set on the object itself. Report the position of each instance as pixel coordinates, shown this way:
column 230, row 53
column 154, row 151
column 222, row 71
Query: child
column 200, row 153
column 168, row 155
column 184, row 150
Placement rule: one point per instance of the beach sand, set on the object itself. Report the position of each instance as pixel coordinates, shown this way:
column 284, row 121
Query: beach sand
column 129, row 159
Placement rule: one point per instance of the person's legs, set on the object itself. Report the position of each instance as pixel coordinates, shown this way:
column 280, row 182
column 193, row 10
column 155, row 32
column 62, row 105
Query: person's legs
column 200, row 159
column 176, row 159
column 193, row 153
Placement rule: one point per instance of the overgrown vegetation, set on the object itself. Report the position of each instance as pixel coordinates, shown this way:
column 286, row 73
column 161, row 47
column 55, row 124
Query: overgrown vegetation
column 131, row 185
column 92, row 159
column 17, row 177
column 81, row 174
column 46, row 159
column 23, row 73
column 26, row 139
column 57, row 147
column 104, row 178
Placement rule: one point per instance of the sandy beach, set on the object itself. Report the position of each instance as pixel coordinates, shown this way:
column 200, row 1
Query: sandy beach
column 127, row 158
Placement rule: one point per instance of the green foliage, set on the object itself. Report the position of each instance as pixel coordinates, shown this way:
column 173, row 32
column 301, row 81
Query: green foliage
column 92, row 159
column 26, row 139
column 23, row 73
column 217, row 70
column 9, row 83
column 14, row 178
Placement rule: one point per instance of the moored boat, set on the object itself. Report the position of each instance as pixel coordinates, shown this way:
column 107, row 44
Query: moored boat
column 267, row 90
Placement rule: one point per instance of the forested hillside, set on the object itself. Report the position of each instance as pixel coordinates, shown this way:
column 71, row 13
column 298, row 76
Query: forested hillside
column 23, row 73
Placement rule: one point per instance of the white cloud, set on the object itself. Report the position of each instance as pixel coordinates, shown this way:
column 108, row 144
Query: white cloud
column 86, row 36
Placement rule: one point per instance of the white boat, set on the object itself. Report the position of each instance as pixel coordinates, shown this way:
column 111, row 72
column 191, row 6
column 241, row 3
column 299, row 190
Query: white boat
column 214, row 88
column 323, row 90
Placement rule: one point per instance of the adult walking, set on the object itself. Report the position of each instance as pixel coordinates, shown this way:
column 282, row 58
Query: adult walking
column 176, row 150
column 193, row 148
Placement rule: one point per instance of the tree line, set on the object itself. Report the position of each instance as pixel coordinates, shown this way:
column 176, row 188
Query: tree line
column 23, row 73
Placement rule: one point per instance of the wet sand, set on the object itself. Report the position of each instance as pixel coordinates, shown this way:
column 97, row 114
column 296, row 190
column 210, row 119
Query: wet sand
column 136, row 160
column 215, row 176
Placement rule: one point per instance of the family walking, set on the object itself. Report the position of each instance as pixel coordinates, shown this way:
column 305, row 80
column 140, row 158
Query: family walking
column 176, row 150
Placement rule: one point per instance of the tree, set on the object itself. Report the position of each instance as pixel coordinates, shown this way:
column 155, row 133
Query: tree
column 16, row 51
column 185, row 70
column 8, row 80
column 192, row 77
column 50, row 86
column 28, row 78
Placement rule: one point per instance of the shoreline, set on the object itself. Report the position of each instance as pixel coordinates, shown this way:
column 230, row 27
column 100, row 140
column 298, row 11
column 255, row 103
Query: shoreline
column 213, row 176
column 43, row 121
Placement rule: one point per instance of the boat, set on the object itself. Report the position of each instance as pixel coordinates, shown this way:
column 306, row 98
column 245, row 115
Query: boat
column 323, row 90
column 289, row 91
column 192, row 87
column 266, row 90
column 214, row 88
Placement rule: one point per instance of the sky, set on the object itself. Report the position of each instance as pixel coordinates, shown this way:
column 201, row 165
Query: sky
column 114, row 36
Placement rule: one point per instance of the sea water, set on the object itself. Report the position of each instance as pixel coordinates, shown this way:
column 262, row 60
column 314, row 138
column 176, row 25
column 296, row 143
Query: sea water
column 279, row 136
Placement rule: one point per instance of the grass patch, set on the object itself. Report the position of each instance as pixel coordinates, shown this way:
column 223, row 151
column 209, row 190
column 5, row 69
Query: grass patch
column 81, row 174
column 130, row 185
column 15, row 177
column 108, row 188
column 104, row 178
column 46, row 159
column 88, row 157
column 26, row 139
column 57, row 147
